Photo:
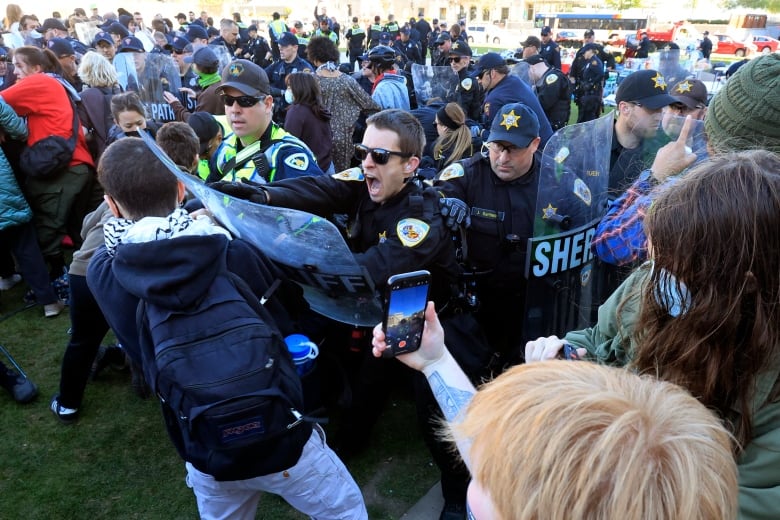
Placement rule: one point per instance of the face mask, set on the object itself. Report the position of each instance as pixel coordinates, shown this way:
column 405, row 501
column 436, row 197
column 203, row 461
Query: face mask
column 288, row 96
column 672, row 294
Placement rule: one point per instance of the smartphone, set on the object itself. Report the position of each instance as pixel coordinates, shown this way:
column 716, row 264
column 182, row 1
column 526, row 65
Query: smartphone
column 407, row 296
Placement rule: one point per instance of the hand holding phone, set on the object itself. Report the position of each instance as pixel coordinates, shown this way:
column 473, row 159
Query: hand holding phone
column 407, row 296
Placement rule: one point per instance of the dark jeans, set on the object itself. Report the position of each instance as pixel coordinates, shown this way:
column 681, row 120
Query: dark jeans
column 23, row 244
column 88, row 327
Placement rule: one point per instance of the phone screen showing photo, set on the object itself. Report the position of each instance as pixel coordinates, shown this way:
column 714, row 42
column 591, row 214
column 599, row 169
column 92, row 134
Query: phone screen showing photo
column 406, row 317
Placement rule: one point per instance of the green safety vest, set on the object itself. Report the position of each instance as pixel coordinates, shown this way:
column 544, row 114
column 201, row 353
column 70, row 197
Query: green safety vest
column 279, row 139
column 276, row 28
column 332, row 36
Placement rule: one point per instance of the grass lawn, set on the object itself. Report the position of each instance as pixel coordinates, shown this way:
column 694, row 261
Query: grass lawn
column 116, row 462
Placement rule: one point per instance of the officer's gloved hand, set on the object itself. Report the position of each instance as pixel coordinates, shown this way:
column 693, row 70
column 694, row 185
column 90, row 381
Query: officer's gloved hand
column 240, row 190
column 455, row 213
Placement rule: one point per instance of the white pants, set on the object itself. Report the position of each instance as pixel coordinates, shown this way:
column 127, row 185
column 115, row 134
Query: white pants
column 319, row 485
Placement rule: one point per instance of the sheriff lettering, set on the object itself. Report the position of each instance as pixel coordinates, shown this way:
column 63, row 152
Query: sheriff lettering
column 554, row 254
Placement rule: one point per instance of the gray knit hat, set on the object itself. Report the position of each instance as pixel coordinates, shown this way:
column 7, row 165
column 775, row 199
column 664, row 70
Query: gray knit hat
column 745, row 114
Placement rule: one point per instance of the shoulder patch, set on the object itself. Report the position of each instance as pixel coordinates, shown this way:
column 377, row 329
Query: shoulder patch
column 297, row 161
column 467, row 83
column 582, row 191
column 550, row 79
column 352, row 174
column 411, row 231
column 453, row 171
column 594, row 63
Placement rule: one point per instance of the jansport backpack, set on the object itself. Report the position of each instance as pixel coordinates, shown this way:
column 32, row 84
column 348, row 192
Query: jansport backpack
column 228, row 387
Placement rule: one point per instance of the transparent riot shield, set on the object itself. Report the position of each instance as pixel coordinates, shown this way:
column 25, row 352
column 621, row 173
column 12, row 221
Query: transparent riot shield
column 571, row 201
column 150, row 74
column 522, row 71
column 86, row 32
column 434, row 83
column 309, row 249
column 671, row 68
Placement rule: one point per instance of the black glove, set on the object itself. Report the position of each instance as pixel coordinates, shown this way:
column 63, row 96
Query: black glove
column 241, row 190
column 455, row 212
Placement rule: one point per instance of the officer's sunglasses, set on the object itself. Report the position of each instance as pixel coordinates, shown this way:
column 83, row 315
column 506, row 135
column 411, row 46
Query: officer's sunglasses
column 378, row 155
column 243, row 101
column 454, row 59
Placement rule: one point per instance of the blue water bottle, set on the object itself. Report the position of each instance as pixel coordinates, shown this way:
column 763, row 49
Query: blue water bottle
column 304, row 352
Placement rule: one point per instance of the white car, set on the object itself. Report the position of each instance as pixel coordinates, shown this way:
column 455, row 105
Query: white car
column 481, row 33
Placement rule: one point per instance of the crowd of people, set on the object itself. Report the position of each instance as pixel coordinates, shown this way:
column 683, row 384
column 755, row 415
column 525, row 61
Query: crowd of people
column 684, row 251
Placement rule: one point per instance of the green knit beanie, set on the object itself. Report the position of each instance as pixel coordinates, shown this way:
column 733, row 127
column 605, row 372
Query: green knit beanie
column 745, row 114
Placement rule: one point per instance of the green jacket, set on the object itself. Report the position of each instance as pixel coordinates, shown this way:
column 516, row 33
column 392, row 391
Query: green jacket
column 759, row 464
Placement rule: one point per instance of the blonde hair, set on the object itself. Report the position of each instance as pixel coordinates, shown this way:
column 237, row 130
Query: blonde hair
column 456, row 141
column 562, row 439
column 96, row 71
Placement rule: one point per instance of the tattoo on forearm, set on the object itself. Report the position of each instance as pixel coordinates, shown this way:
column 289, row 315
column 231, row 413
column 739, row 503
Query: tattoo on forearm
column 450, row 399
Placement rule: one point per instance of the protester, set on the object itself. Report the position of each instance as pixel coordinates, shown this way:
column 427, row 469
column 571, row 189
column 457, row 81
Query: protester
column 95, row 107
column 17, row 232
column 45, row 102
column 143, row 194
column 711, row 327
column 205, row 64
column 562, row 439
column 347, row 103
column 389, row 89
column 308, row 119
column 129, row 117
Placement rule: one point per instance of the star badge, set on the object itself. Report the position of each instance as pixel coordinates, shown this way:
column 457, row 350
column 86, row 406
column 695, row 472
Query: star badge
column 685, row 86
column 659, row 81
column 235, row 69
column 510, row 120
column 549, row 211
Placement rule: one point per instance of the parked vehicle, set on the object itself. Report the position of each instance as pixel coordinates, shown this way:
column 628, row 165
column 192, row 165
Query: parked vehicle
column 765, row 44
column 489, row 33
column 725, row 44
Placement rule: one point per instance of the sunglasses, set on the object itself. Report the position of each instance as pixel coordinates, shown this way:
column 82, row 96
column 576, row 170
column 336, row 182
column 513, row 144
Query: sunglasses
column 243, row 101
column 177, row 51
column 454, row 59
column 378, row 155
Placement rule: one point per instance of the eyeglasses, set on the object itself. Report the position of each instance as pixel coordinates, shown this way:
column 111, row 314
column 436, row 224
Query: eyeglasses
column 499, row 148
column 454, row 59
column 243, row 101
column 177, row 51
column 378, row 155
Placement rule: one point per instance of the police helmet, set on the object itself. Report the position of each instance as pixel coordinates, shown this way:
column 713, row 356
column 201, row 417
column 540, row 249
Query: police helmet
column 382, row 55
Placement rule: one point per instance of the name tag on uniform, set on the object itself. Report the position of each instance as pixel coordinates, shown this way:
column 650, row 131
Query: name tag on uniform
column 489, row 214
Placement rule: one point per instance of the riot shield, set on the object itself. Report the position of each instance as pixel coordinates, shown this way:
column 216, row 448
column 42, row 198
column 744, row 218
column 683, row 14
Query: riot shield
column 434, row 83
column 672, row 68
column 86, row 32
column 309, row 249
column 150, row 74
column 522, row 71
column 571, row 201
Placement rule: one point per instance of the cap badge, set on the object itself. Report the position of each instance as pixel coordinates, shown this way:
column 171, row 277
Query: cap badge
column 510, row 120
column 685, row 86
column 659, row 80
column 235, row 69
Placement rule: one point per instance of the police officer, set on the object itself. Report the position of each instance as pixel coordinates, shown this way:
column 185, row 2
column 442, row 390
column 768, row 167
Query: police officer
column 469, row 92
column 276, row 28
column 552, row 89
column 443, row 46
column 375, row 30
column 257, row 48
column 392, row 27
column 326, row 31
column 588, row 90
column 409, row 47
column 502, row 88
column 394, row 226
column 575, row 73
column 550, row 50
column 277, row 72
column 356, row 38
column 257, row 149
column 500, row 189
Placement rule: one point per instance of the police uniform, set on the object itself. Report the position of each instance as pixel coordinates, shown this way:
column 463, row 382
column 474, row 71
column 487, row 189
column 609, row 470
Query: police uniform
column 405, row 233
column 394, row 29
column 327, row 34
column 512, row 89
column 278, row 156
column 551, row 52
column 469, row 93
column 277, row 72
column 554, row 95
column 275, row 30
column 258, row 48
column 589, row 89
column 411, row 50
column 356, row 37
column 375, row 30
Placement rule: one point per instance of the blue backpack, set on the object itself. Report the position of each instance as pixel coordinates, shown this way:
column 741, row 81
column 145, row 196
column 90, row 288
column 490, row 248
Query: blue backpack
column 228, row 387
